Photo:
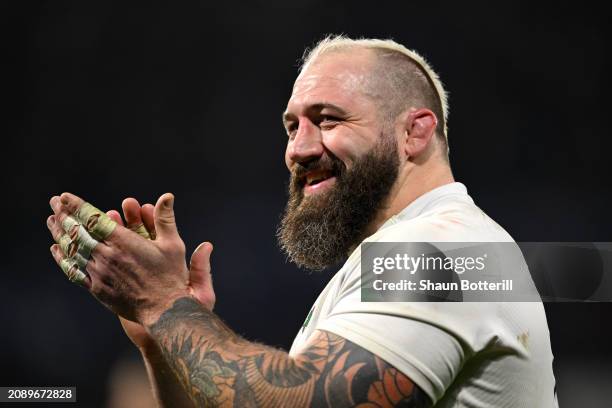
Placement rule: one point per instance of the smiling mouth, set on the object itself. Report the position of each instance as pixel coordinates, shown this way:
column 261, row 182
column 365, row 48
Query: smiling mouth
column 317, row 181
column 312, row 178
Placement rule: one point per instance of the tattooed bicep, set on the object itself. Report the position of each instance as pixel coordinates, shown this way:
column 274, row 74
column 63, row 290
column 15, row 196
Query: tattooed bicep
column 350, row 376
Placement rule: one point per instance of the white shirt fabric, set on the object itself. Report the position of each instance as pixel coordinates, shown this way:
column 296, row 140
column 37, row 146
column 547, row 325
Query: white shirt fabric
column 471, row 354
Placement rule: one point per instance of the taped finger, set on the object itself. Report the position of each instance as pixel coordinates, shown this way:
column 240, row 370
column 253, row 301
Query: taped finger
column 140, row 230
column 76, row 240
column 70, row 249
column 85, row 243
column 72, row 271
column 96, row 222
column 146, row 214
column 71, row 226
column 55, row 228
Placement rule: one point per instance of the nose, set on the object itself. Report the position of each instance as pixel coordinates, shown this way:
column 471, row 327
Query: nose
column 306, row 145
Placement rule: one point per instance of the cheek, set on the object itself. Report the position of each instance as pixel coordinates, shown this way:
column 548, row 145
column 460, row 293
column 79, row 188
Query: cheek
column 346, row 148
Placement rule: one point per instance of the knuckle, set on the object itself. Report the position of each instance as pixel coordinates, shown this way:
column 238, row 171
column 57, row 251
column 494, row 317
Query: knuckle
column 166, row 222
column 101, row 251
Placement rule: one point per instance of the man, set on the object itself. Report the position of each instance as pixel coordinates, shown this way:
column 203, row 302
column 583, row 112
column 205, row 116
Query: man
column 368, row 156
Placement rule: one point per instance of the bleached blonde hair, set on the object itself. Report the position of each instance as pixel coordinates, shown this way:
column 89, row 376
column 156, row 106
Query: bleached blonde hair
column 409, row 75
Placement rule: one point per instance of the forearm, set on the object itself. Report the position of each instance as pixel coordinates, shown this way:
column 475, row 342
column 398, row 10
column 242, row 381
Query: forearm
column 218, row 368
column 167, row 390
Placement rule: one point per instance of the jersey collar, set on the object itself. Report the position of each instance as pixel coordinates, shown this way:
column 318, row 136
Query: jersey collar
column 425, row 201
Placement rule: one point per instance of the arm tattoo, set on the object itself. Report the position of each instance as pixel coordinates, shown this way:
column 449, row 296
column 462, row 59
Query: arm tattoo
column 220, row 369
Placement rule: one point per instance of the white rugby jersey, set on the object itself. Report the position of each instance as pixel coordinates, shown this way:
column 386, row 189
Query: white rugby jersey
column 471, row 354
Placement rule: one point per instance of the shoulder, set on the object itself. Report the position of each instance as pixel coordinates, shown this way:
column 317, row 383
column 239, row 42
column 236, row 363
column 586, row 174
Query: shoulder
column 452, row 221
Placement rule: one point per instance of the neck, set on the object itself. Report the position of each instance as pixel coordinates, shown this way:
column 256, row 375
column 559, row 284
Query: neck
column 412, row 182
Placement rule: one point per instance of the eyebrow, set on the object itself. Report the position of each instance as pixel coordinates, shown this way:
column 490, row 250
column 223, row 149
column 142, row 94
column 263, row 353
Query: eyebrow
column 287, row 117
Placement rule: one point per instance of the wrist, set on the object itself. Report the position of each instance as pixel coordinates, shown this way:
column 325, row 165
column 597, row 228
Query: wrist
column 151, row 314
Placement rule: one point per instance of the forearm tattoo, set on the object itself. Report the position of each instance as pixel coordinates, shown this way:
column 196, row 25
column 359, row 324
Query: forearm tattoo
column 218, row 368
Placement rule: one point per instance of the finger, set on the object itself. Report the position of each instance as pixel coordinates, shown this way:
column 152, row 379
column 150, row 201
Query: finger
column 99, row 225
column 70, row 268
column 79, row 236
column 131, row 212
column 72, row 238
column 68, row 246
column 70, row 202
column 115, row 216
column 54, row 227
column 200, row 278
column 146, row 214
column 69, row 224
column 65, row 216
column 55, row 204
column 163, row 215
column 71, row 250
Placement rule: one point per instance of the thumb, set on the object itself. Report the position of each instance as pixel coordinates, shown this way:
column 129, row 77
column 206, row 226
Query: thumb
column 163, row 217
column 200, row 278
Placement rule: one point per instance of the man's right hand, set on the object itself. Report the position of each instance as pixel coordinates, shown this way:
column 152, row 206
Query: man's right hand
column 200, row 281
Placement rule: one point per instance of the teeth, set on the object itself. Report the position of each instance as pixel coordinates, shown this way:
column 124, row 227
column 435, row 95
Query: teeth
column 315, row 178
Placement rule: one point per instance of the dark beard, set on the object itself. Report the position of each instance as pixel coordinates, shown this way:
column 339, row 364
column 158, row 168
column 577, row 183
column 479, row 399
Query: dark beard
column 319, row 231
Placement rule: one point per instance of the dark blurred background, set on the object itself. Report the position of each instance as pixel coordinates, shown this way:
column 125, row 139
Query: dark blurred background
column 110, row 100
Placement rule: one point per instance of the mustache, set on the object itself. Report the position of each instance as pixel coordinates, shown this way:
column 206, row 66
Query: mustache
column 332, row 165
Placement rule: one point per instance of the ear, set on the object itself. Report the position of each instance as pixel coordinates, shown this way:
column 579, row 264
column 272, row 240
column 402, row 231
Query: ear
column 420, row 128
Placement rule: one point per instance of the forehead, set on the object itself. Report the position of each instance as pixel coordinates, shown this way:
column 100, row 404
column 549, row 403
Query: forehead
column 339, row 78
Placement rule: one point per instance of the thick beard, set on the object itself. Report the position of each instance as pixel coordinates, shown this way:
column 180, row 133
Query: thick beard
column 319, row 231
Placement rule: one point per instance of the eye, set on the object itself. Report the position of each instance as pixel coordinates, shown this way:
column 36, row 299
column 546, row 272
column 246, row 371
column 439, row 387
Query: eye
column 328, row 121
column 329, row 118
